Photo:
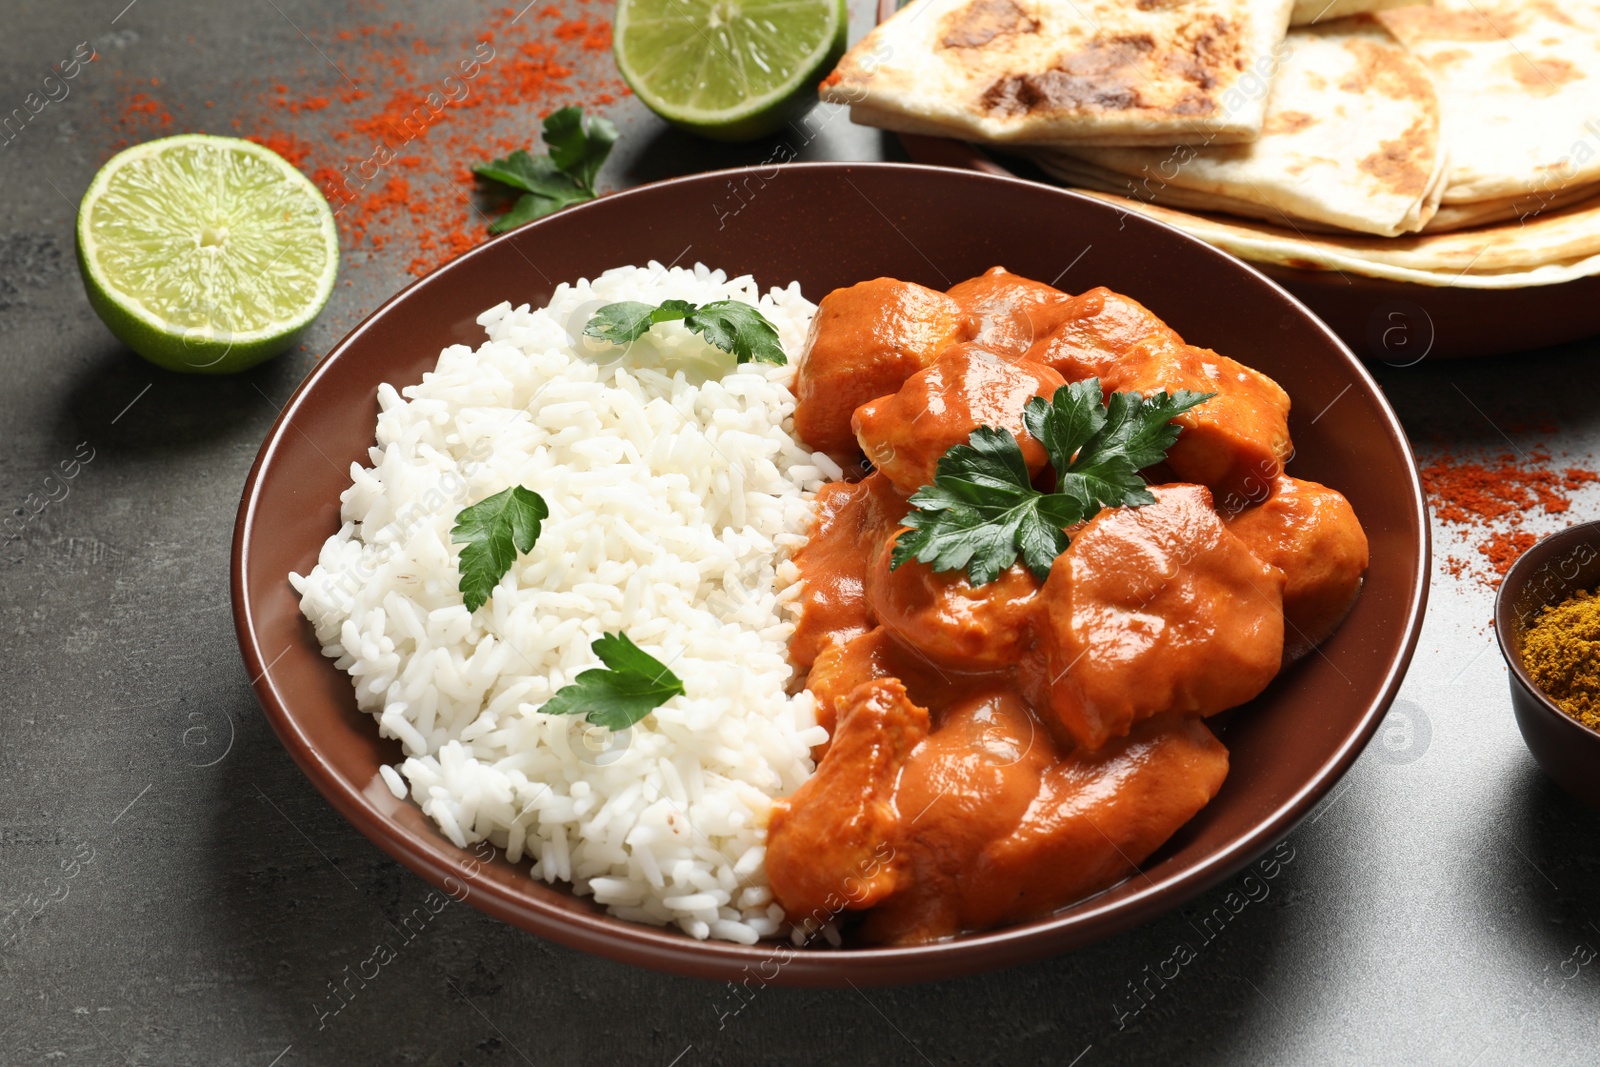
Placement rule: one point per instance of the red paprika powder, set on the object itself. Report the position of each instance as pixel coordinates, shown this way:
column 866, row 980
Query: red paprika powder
column 391, row 134
column 1488, row 500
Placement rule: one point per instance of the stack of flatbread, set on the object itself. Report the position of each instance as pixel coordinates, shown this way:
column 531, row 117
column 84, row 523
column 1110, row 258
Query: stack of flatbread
column 1456, row 143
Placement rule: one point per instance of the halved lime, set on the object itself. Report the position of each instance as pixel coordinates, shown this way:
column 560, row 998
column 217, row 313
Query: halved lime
column 730, row 70
column 205, row 254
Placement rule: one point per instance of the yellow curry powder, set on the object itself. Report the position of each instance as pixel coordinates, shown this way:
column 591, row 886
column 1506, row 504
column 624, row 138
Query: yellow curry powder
column 1561, row 650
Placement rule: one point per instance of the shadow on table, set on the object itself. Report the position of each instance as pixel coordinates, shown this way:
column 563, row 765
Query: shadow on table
column 307, row 906
column 1490, row 402
column 122, row 401
column 812, row 137
column 1535, row 888
column 1556, row 837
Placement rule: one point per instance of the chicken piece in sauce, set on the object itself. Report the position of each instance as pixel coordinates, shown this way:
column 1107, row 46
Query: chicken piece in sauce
column 1098, row 328
column 1237, row 442
column 1158, row 608
column 968, row 386
column 949, row 620
column 825, row 843
column 1309, row 532
column 1011, row 829
column 847, row 665
column 842, row 666
column 865, row 342
column 1009, row 313
column 852, row 520
column 968, row 785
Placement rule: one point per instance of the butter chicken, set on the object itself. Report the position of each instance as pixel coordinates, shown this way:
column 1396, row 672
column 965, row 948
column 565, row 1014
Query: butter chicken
column 1000, row 751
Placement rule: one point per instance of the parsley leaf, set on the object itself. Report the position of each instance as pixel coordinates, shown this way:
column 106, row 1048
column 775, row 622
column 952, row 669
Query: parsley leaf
column 1097, row 451
column 621, row 323
column 494, row 530
column 632, row 685
column 531, row 174
column 738, row 328
column 982, row 511
column 535, row 206
column 730, row 325
column 1066, row 422
column 578, row 146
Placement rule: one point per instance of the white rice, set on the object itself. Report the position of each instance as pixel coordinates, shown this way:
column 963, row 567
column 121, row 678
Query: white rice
column 677, row 491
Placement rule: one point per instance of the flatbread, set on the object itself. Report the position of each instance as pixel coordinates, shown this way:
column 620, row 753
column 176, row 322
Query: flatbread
column 1083, row 177
column 1351, row 141
column 1310, row 12
column 1105, row 72
column 1504, row 209
column 1556, row 247
column 1080, row 175
column 1519, row 84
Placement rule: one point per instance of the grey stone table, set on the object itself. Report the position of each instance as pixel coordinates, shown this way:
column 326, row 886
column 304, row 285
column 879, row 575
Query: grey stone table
column 173, row 891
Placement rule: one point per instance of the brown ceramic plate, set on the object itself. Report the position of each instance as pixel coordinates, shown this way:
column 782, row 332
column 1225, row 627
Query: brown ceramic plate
column 831, row 225
column 1391, row 322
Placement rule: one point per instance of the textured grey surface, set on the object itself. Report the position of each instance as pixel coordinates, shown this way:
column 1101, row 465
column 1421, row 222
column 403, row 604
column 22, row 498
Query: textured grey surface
column 172, row 890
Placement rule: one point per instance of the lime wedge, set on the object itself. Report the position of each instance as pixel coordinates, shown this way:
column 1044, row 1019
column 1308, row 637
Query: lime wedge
column 730, row 70
column 205, row 254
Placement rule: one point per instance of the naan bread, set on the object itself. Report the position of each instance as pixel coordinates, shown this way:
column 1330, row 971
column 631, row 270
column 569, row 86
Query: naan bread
column 1351, row 141
column 1555, row 247
column 1108, row 72
column 1503, row 209
column 1519, row 84
column 1309, row 12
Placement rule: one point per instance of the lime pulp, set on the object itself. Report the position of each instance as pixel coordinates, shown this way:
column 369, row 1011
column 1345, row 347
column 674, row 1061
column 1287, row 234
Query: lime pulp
column 730, row 70
column 205, row 254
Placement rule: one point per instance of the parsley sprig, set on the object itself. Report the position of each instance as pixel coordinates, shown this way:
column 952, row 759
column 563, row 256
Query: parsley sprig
column 631, row 686
column 578, row 145
column 494, row 530
column 730, row 325
column 982, row 511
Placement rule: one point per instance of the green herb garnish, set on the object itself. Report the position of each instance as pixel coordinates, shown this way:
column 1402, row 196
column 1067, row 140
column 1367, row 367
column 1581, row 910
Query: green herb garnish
column 730, row 325
column 982, row 511
column 631, row 686
column 494, row 530
column 578, row 145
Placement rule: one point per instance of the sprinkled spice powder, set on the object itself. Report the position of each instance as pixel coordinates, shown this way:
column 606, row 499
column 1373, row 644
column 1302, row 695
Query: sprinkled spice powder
column 141, row 114
column 1487, row 501
column 391, row 141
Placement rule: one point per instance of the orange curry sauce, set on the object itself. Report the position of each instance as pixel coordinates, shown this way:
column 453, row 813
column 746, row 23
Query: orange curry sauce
column 999, row 752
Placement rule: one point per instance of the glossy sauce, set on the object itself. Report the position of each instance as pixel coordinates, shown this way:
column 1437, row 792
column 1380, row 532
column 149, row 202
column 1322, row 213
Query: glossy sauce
column 999, row 752
column 968, row 386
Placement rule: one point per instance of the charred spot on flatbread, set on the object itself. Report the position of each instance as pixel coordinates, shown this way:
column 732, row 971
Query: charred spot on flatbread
column 1287, row 122
column 1382, row 70
column 1103, row 75
column 1441, row 60
column 1540, row 76
column 1110, row 74
column 1440, row 24
column 982, row 21
column 1212, row 51
column 1404, row 164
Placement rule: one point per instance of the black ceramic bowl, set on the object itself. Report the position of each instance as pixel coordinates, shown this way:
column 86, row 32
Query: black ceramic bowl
column 1548, row 573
